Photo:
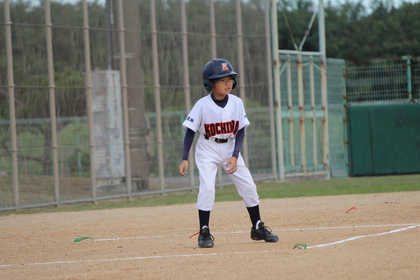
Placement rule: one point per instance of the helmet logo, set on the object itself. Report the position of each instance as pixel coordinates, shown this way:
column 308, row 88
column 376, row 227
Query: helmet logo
column 224, row 66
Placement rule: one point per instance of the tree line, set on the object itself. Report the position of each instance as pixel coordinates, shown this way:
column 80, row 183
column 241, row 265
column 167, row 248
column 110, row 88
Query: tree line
column 351, row 33
column 353, row 30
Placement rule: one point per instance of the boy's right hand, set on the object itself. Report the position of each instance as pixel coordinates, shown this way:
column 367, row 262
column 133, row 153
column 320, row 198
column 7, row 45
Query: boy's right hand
column 183, row 168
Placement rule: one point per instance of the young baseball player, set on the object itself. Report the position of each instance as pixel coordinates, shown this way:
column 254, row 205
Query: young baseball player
column 221, row 120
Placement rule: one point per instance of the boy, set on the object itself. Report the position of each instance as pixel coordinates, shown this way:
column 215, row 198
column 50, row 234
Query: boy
column 221, row 120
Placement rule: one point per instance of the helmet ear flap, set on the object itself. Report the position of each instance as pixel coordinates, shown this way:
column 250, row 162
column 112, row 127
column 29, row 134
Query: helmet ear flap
column 208, row 85
column 234, row 82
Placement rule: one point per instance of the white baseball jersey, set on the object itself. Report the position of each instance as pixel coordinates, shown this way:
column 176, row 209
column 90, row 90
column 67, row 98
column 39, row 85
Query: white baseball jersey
column 223, row 123
column 214, row 121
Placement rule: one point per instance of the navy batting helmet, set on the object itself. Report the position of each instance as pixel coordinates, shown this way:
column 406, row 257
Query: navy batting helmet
column 216, row 69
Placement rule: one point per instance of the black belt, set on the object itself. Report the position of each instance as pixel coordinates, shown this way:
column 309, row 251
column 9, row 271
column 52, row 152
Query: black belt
column 217, row 140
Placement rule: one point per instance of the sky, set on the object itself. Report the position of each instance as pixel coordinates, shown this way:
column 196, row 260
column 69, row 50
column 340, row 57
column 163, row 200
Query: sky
column 367, row 3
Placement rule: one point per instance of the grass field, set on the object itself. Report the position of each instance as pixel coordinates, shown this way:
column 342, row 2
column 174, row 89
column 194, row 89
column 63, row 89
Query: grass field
column 266, row 190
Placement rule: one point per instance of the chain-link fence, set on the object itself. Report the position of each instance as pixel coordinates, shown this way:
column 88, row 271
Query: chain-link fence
column 62, row 133
column 93, row 94
column 382, row 81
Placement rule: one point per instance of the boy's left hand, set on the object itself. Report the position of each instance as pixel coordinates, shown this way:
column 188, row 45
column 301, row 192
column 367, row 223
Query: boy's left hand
column 232, row 165
column 183, row 168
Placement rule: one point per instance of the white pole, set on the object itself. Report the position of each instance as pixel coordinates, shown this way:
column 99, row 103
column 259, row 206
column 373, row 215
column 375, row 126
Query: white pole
column 321, row 29
column 276, row 68
column 270, row 88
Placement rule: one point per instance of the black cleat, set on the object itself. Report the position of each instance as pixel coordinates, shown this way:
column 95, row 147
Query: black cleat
column 263, row 233
column 205, row 239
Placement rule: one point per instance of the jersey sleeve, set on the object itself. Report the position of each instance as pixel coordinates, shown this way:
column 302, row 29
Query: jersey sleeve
column 243, row 118
column 194, row 118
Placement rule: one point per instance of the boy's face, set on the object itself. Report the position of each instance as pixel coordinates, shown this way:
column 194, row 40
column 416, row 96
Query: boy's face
column 222, row 87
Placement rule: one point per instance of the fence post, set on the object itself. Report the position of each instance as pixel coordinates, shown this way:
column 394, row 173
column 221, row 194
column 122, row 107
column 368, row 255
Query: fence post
column 291, row 116
column 409, row 83
column 187, row 91
column 241, row 71
column 270, row 88
column 51, row 88
column 276, row 72
column 345, row 117
column 157, row 95
column 213, row 30
column 324, row 93
column 125, row 101
column 313, row 110
column 88, row 82
column 12, row 115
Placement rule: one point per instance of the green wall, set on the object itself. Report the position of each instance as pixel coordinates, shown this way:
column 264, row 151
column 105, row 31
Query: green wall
column 384, row 139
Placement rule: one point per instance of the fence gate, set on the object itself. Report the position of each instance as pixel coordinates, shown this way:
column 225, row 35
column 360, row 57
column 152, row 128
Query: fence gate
column 302, row 105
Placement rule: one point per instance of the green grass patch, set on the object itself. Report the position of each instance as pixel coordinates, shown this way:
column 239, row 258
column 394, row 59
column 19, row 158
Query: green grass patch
column 342, row 186
column 270, row 190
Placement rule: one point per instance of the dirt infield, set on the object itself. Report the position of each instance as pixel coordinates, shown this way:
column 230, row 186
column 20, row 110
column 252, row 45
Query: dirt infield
column 379, row 239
